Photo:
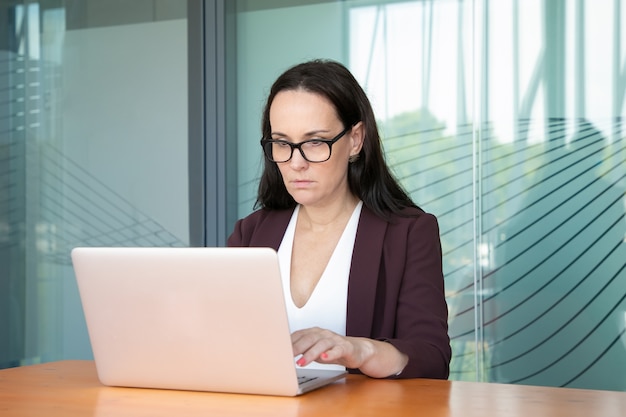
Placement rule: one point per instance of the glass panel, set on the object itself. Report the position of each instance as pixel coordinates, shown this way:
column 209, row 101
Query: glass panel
column 552, row 195
column 95, row 155
column 502, row 118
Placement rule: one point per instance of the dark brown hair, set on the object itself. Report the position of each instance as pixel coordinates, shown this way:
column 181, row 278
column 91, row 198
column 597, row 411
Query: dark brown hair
column 369, row 177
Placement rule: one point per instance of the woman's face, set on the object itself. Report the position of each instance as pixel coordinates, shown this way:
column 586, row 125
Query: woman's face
column 298, row 115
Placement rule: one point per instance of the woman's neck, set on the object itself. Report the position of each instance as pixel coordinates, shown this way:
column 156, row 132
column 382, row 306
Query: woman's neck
column 329, row 216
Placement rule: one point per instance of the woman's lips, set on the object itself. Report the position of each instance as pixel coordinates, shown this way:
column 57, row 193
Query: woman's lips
column 301, row 183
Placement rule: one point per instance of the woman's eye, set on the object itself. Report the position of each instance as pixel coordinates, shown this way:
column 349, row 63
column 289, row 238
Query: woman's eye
column 281, row 144
column 314, row 143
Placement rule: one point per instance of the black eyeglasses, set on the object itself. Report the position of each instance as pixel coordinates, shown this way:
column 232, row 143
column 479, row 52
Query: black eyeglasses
column 313, row 150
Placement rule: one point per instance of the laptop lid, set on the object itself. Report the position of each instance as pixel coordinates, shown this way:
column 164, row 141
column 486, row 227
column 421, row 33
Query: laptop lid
column 205, row 319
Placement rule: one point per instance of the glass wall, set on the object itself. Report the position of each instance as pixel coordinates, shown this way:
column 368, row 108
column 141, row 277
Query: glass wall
column 93, row 151
column 502, row 118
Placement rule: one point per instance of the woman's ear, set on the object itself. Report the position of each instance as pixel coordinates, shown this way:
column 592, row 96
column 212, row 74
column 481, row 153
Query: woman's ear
column 357, row 135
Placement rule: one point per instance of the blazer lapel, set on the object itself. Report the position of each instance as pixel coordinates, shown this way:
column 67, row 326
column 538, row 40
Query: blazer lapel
column 366, row 259
column 271, row 230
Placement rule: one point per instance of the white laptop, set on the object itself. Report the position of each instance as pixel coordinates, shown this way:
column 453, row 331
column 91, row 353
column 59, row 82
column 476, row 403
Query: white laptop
column 203, row 319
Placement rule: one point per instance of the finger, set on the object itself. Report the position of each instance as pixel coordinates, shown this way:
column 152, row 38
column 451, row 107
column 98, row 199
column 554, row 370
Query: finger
column 302, row 340
column 316, row 352
column 333, row 354
column 312, row 348
column 328, row 351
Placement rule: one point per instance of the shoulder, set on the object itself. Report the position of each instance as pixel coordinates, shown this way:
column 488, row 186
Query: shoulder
column 411, row 217
column 263, row 216
column 410, row 225
column 407, row 217
column 262, row 227
column 415, row 229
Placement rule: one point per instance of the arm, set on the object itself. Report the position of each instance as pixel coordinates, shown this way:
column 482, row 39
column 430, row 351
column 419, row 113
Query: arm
column 421, row 329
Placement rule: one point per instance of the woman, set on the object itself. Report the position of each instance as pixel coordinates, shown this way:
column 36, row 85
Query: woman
column 361, row 263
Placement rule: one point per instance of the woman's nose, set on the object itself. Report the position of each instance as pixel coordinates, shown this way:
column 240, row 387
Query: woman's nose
column 297, row 160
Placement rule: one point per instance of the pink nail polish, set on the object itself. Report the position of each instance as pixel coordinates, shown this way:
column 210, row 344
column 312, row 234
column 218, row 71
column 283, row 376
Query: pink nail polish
column 300, row 362
column 324, row 355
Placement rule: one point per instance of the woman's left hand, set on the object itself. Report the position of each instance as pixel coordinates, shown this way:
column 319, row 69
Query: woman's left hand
column 374, row 358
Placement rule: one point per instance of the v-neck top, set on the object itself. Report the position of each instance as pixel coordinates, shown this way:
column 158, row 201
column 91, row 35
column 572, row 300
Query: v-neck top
column 326, row 307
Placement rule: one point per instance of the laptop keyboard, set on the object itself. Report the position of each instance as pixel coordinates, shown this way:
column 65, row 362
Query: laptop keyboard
column 303, row 379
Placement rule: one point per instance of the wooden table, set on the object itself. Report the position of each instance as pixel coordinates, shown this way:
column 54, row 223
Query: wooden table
column 71, row 388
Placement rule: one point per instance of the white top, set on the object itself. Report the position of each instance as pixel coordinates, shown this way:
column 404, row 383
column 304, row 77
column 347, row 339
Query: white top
column 326, row 308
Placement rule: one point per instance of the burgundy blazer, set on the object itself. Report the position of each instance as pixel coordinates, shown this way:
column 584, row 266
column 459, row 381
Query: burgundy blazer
column 395, row 288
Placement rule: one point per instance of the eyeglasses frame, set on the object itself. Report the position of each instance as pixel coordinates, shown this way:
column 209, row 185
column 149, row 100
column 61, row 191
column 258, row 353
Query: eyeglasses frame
column 298, row 146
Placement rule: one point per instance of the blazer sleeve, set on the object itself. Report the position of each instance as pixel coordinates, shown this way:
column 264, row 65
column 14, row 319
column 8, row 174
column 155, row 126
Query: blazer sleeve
column 421, row 310
column 396, row 291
